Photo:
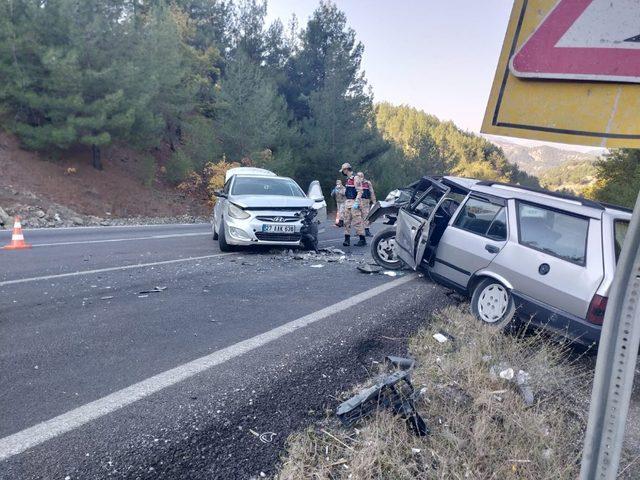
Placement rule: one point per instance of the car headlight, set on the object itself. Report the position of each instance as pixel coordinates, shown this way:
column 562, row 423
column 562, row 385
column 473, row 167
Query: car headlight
column 237, row 212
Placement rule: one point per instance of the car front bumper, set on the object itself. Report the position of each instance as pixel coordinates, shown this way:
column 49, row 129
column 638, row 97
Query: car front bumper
column 249, row 232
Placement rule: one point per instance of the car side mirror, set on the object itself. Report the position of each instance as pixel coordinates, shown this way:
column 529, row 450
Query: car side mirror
column 220, row 194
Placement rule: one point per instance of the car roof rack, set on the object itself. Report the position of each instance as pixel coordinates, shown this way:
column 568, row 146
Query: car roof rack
column 563, row 196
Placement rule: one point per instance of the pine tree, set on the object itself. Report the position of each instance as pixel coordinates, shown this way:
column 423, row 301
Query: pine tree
column 252, row 117
column 329, row 95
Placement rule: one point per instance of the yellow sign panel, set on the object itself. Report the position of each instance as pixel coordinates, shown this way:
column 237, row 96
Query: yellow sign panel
column 555, row 47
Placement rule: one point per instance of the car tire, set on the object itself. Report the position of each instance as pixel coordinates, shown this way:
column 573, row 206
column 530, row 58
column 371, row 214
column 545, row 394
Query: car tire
column 492, row 303
column 222, row 240
column 383, row 249
column 215, row 234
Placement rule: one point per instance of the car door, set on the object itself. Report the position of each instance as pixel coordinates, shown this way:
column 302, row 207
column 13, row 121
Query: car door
column 319, row 203
column 219, row 206
column 473, row 238
column 556, row 262
column 414, row 220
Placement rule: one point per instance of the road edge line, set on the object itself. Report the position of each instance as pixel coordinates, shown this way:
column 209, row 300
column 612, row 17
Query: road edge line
column 30, row 437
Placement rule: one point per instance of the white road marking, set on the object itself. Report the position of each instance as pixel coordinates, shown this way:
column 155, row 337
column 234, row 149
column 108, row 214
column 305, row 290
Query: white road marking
column 102, row 227
column 110, row 269
column 127, row 267
column 109, row 240
column 37, row 434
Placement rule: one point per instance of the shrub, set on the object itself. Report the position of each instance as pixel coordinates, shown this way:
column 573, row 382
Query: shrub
column 145, row 169
column 178, row 167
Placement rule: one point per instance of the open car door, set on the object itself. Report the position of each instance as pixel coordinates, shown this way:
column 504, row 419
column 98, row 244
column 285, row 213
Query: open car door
column 319, row 203
column 414, row 221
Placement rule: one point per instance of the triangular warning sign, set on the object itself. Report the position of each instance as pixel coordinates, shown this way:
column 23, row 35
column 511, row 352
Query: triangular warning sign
column 584, row 40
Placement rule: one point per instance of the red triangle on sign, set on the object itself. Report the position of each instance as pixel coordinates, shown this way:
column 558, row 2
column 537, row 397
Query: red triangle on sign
column 584, row 40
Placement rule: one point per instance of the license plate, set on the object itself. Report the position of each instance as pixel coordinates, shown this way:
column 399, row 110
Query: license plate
column 275, row 228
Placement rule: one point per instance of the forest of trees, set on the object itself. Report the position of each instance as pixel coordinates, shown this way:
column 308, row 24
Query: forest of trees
column 617, row 178
column 213, row 82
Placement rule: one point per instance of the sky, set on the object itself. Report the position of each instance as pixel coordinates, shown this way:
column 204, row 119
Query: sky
column 438, row 56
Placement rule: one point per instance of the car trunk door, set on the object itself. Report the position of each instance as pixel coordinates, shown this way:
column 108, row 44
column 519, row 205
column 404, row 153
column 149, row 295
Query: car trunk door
column 413, row 226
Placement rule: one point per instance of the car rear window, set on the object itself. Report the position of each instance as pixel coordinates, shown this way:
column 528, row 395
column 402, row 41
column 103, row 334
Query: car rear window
column 266, row 186
column 483, row 218
column 550, row 231
column 620, row 228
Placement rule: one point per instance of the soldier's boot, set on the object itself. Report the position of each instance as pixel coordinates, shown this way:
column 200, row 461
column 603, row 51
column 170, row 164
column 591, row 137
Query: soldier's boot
column 362, row 242
column 367, row 232
column 347, row 241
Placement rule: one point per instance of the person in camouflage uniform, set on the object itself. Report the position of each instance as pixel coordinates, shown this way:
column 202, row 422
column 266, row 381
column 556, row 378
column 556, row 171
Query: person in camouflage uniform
column 352, row 211
column 368, row 199
column 338, row 193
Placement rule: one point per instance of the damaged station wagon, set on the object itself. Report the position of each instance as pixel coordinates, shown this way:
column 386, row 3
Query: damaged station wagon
column 544, row 257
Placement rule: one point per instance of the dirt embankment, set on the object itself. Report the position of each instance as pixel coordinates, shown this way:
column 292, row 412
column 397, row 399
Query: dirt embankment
column 64, row 189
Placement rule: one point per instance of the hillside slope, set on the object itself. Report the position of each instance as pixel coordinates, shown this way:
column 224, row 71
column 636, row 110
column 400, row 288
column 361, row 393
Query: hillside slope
column 127, row 187
column 537, row 159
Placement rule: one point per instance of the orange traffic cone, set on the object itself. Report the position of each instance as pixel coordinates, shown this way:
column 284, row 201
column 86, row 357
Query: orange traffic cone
column 17, row 238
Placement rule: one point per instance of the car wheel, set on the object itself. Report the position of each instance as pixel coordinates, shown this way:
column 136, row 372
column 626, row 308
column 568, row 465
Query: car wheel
column 215, row 234
column 222, row 240
column 383, row 249
column 492, row 303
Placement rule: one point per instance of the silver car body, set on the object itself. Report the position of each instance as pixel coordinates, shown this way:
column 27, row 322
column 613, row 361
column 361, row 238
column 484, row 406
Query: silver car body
column 269, row 219
column 554, row 253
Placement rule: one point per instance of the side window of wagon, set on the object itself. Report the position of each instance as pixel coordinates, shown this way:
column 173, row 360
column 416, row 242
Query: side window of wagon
column 484, row 218
column 551, row 231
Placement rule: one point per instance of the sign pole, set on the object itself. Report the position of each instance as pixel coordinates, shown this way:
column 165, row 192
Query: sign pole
column 615, row 365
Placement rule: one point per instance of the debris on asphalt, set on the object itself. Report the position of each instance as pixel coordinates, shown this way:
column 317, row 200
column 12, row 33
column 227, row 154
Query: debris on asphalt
column 266, row 437
column 394, row 392
column 153, row 290
column 143, row 296
column 317, row 265
column 393, row 273
column 108, row 297
column 329, row 255
column 332, row 251
column 366, row 268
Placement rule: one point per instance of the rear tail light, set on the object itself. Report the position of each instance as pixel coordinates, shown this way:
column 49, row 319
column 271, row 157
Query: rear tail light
column 596, row 311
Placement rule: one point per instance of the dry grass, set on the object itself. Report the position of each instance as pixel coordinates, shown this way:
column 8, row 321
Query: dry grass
column 480, row 426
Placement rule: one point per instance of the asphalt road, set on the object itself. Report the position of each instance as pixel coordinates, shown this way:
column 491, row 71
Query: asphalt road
column 99, row 380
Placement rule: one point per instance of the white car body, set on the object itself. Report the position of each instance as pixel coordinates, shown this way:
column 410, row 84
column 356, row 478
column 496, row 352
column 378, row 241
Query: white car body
column 258, row 218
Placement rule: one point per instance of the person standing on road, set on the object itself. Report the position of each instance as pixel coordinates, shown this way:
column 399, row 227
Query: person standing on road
column 368, row 199
column 352, row 211
column 338, row 193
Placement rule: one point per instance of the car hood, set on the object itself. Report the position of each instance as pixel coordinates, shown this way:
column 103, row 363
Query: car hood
column 270, row 201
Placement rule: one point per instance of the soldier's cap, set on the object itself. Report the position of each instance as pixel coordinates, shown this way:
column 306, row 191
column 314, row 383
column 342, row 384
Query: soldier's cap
column 345, row 166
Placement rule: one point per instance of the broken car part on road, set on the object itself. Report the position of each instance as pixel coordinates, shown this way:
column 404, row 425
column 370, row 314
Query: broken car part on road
column 394, row 391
